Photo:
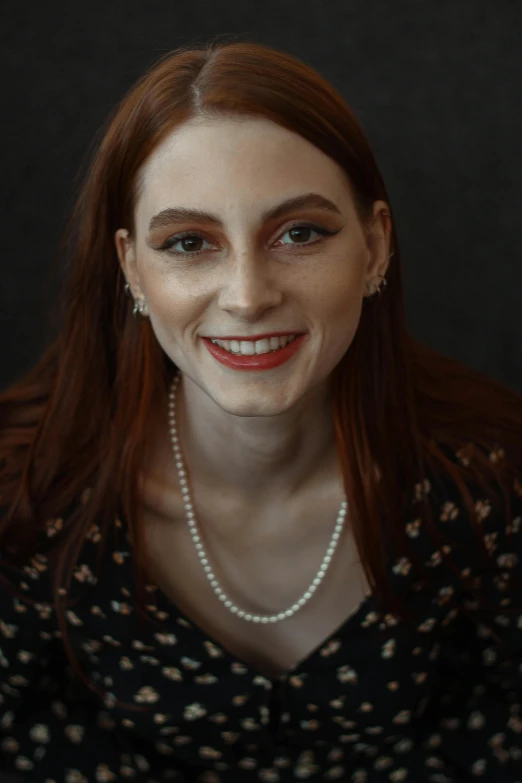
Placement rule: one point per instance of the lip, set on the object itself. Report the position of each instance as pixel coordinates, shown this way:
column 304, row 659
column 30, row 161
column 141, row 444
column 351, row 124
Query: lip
column 263, row 361
column 256, row 337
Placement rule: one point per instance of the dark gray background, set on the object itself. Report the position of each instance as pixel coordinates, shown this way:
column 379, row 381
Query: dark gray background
column 437, row 86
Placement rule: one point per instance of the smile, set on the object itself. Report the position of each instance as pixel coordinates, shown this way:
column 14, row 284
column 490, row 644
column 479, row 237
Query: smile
column 250, row 347
column 255, row 355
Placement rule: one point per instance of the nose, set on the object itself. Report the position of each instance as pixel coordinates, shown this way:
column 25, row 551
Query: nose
column 249, row 288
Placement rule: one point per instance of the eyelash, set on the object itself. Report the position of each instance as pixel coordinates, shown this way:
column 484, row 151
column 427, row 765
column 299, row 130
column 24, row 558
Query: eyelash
column 171, row 241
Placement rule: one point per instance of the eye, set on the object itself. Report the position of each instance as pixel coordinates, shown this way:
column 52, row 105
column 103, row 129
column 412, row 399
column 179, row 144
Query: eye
column 300, row 231
column 187, row 240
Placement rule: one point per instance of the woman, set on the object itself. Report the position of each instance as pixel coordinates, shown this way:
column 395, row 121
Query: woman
column 257, row 532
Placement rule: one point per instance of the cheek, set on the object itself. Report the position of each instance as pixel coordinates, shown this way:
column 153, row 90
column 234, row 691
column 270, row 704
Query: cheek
column 338, row 307
column 172, row 304
column 343, row 323
column 172, row 313
column 337, row 297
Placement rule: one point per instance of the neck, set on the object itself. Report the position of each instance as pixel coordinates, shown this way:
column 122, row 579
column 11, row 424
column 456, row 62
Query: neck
column 249, row 457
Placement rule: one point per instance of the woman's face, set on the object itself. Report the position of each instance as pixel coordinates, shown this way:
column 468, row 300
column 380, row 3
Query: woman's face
column 235, row 266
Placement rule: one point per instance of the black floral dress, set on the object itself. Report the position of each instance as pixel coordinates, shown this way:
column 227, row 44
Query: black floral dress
column 377, row 701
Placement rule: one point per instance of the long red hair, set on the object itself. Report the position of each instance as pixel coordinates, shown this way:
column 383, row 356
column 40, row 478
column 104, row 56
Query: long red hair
column 64, row 426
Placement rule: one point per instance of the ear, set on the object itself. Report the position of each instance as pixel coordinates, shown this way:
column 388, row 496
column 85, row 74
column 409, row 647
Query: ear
column 126, row 250
column 378, row 234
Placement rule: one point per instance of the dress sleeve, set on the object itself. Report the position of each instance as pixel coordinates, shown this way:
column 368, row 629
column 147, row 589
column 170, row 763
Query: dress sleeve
column 49, row 730
column 479, row 714
column 31, row 661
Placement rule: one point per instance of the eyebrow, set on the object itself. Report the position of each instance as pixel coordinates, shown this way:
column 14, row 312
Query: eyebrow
column 178, row 214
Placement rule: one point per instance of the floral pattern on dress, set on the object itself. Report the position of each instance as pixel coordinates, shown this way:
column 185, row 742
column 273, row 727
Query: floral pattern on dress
column 380, row 700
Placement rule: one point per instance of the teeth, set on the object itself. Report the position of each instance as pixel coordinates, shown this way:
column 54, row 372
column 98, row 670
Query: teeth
column 249, row 347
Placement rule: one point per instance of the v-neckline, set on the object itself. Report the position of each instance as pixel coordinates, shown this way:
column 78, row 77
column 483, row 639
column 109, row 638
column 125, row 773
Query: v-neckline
column 299, row 668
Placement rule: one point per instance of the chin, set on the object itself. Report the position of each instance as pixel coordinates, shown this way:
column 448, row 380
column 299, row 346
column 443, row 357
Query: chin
column 260, row 405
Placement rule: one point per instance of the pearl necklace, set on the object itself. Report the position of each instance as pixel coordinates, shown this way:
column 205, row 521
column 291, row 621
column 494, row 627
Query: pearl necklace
column 189, row 512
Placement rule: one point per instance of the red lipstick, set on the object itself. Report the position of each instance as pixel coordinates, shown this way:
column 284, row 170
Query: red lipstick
column 262, row 361
column 256, row 337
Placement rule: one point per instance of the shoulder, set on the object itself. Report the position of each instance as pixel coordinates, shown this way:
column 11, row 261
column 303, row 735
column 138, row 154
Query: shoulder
column 27, row 614
column 31, row 575
column 477, row 509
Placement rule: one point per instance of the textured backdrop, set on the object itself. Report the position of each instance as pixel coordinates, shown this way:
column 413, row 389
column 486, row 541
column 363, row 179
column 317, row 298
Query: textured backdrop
column 437, row 86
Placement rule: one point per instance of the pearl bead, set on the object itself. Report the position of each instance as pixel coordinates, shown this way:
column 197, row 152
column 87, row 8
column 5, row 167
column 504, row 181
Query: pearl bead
column 189, row 512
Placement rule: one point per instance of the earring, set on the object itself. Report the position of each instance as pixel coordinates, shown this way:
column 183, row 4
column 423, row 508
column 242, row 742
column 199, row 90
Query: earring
column 372, row 288
column 139, row 306
column 378, row 288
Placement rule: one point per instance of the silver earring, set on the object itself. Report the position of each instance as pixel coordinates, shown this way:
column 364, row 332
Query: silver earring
column 376, row 288
column 379, row 288
column 139, row 306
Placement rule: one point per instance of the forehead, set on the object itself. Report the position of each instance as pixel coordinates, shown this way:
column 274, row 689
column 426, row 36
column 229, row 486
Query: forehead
column 244, row 160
